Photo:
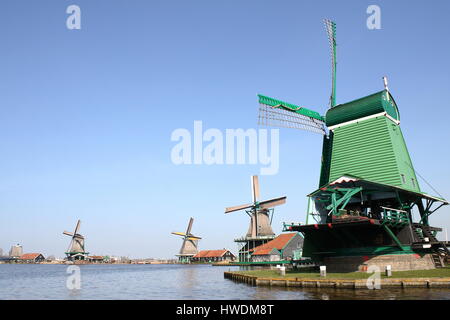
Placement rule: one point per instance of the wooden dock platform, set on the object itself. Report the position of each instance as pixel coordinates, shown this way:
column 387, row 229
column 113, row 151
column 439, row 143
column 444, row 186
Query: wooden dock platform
column 338, row 283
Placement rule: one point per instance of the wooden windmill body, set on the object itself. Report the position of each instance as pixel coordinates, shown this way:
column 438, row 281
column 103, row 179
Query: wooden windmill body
column 76, row 249
column 260, row 228
column 189, row 248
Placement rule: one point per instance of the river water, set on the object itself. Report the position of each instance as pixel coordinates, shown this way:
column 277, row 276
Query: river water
column 167, row 282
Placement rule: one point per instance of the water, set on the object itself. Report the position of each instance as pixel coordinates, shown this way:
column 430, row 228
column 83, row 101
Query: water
column 168, row 282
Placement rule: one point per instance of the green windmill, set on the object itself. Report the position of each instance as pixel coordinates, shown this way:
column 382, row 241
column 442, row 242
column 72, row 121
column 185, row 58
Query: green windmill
column 363, row 211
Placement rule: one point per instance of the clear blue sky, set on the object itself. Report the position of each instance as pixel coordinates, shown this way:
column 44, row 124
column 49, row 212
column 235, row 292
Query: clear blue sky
column 86, row 115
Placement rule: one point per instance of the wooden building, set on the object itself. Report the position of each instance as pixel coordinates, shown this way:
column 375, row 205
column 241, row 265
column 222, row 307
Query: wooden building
column 213, row 256
column 267, row 254
column 286, row 246
column 96, row 259
column 31, row 258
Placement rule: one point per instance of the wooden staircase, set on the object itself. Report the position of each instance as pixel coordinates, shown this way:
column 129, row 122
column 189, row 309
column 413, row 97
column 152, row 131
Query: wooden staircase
column 438, row 262
column 439, row 251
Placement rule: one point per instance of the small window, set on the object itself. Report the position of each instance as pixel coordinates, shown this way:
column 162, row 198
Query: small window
column 403, row 178
column 413, row 182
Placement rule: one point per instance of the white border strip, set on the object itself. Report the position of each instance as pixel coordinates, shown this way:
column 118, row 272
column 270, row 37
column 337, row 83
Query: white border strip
column 392, row 119
column 364, row 118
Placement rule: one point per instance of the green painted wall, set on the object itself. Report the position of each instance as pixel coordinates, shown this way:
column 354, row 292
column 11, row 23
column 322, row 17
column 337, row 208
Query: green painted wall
column 375, row 150
column 375, row 103
column 326, row 159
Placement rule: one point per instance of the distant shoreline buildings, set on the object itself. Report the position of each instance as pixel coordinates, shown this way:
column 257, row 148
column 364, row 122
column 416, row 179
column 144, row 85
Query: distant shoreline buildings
column 16, row 256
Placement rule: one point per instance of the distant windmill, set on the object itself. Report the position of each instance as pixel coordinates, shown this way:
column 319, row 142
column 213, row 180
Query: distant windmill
column 260, row 222
column 76, row 250
column 16, row 251
column 190, row 243
column 260, row 213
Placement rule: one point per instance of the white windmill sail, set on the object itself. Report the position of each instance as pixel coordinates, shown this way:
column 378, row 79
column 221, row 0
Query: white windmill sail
column 260, row 221
column 77, row 242
column 190, row 241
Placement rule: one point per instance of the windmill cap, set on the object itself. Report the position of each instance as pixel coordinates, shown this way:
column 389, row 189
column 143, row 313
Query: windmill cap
column 363, row 107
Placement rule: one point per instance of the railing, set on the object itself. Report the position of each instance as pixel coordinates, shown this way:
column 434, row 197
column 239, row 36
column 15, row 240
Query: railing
column 288, row 226
column 394, row 217
column 246, row 239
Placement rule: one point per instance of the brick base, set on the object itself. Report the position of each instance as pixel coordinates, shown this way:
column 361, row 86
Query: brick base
column 399, row 262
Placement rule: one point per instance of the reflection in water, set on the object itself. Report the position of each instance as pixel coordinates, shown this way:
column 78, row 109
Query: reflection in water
column 188, row 277
column 350, row 294
column 170, row 282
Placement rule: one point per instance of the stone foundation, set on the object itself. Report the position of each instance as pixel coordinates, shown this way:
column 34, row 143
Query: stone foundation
column 398, row 262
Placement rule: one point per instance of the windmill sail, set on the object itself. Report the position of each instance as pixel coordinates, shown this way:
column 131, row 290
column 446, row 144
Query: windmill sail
column 260, row 222
column 330, row 27
column 189, row 248
column 237, row 208
column 77, row 245
column 76, row 248
column 277, row 113
column 272, row 203
column 255, row 188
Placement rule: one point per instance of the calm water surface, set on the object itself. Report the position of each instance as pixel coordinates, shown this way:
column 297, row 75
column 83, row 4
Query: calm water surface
column 168, row 282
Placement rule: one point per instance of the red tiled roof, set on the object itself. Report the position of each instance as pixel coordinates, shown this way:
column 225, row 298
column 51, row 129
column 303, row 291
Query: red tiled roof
column 210, row 253
column 263, row 252
column 278, row 243
column 95, row 257
column 29, row 256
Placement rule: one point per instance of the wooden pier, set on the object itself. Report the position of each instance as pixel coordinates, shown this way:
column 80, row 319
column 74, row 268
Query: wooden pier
column 337, row 283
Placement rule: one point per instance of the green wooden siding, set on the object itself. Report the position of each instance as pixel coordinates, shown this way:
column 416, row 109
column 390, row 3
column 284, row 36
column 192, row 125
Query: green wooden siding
column 326, row 159
column 374, row 150
column 375, row 103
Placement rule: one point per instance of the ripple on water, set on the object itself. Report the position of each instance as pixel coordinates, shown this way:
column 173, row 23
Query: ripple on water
column 169, row 282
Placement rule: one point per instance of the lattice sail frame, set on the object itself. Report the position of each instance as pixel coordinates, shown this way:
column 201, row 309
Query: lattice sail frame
column 277, row 113
column 287, row 115
column 330, row 27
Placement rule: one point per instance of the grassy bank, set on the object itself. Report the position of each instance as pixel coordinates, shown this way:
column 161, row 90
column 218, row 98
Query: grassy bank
column 434, row 273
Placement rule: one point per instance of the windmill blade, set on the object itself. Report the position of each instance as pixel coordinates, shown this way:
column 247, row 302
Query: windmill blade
column 330, row 27
column 80, row 243
column 69, row 249
column 278, row 113
column 191, row 221
column 255, row 189
column 67, row 233
column 183, row 245
column 254, row 224
column 237, row 208
column 193, row 238
column 179, row 234
column 77, row 227
column 272, row 203
column 78, row 236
